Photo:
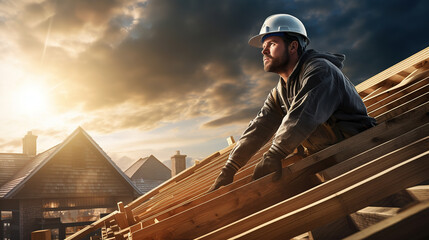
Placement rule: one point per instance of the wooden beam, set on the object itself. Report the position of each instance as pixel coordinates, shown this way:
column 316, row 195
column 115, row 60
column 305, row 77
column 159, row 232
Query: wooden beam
column 407, row 142
column 121, row 220
column 121, row 207
column 243, row 177
column 230, row 140
column 368, row 139
column 371, row 215
column 93, row 226
column 391, row 96
column 156, row 195
column 341, row 151
column 344, row 202
column 191, row 183
column 338, row 229
column 307, row 198
column 415, row 59
column 419, row 193
column 411, row 223
column 415, row 83
column 401, row 100
column 226, row 208
column 185, row 199
column 175, row 179
column 413, row 103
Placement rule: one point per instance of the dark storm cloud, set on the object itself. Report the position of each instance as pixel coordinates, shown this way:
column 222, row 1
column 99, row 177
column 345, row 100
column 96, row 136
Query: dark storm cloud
column 192, row 57
column 374, row 35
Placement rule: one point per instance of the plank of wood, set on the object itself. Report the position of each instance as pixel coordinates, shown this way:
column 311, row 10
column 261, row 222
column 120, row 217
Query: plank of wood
column 164, row 210
column 397, row 145
column 401, row 100
column 345, row 201
column 201, row 186
column 337, row 229
column 419, row 193
column 200, row 199
column 400, row 199
column 412, row 83
column 151, row 203
column 378, row 90
column 169, row 182
column 390, row 129
column 130, row 216
column 121, row 220
column 307, row 198
column 226, row 208
column 413, row 103
column 192, row 192
column 368, row 139
column 390, row 97
column 93, row 226
column 171, row 195
column 371, row 215
column 409, row 224
column 408, row 63
column 170, row 204
column 121, row 207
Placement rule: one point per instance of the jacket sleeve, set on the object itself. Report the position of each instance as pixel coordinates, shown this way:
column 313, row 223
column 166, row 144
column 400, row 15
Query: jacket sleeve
column 315, row 102
column 259, row 131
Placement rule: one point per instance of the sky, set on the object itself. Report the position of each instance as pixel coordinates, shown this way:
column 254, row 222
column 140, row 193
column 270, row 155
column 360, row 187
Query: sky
column 149, row 77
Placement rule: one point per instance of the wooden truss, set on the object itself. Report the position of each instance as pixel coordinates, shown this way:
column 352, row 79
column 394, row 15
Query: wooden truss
column 339, row 182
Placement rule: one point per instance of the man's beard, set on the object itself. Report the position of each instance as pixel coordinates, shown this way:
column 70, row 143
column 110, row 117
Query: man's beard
column 278, row 64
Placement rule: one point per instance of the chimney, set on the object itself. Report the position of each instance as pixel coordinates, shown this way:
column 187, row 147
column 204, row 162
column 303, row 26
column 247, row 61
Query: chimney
column 178, row 163
column 29, row 145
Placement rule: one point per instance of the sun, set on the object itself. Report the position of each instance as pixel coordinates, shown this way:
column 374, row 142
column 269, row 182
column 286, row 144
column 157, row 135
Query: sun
column 32, row 99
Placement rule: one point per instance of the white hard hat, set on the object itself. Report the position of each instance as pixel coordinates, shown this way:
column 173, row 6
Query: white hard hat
column 281, row 23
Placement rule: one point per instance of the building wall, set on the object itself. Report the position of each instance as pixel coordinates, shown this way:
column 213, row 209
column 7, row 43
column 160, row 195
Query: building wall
column 77, row 177
column 29, row 211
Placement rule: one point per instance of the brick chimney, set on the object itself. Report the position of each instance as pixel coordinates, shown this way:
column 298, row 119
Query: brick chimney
column 178, row 163
column 29, row 144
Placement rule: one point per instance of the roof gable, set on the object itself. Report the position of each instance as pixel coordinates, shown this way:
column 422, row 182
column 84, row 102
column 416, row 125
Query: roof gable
column 135, row 166
column 149, row 168
column 17, row 182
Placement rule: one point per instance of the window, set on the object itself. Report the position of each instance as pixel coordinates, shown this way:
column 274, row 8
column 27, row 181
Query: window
column 5, row 220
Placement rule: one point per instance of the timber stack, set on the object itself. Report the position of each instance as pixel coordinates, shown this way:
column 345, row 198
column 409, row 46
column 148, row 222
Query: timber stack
column 374, row 185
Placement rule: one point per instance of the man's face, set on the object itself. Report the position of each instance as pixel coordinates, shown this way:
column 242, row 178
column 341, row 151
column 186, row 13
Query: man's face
column 274, row 53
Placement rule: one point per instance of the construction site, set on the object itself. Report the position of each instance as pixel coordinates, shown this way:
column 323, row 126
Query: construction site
column 373, row 185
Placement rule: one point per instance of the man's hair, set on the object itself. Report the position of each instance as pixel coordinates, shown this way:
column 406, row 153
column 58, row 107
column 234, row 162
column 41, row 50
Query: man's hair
column 287, row 38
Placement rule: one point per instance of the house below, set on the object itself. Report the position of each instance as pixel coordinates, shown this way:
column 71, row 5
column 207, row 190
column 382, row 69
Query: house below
column 148, row 173
column 61, row 189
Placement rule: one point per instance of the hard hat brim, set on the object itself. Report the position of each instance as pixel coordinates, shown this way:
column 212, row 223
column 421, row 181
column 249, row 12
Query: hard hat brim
column 255, row 41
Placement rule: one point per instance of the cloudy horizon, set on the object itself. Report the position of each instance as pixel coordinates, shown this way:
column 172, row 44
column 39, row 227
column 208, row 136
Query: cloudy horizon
column 149, row 77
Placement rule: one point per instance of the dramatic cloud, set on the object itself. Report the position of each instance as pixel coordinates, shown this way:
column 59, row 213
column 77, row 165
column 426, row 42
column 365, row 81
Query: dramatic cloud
column 113, row 65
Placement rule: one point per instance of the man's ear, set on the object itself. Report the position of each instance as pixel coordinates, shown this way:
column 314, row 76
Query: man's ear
column 293, row 47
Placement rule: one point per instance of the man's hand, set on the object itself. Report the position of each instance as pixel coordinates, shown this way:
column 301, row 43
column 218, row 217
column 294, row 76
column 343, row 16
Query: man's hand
column 225, row 177
column 271, row 162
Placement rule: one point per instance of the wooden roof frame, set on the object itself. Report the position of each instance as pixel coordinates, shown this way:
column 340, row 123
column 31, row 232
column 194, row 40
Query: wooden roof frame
column 182, row 209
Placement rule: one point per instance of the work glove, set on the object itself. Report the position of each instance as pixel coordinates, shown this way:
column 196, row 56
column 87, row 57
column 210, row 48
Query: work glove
column 271, row 162
column 225, row 177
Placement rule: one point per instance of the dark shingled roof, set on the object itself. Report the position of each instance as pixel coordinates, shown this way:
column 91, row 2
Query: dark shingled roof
column 24, row 167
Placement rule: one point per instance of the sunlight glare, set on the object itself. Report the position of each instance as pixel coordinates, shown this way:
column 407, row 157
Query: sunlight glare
column 32, row 100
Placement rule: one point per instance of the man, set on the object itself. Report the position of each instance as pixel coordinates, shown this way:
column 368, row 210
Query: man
column 313, row 105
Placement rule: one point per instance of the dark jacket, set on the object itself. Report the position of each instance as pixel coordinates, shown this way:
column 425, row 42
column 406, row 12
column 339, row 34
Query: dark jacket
column 317, row 94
